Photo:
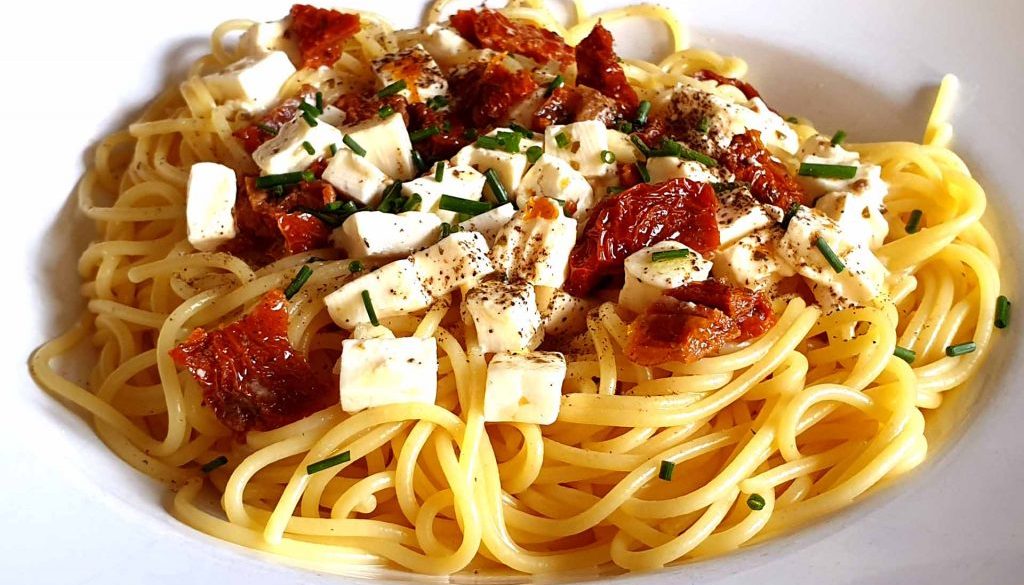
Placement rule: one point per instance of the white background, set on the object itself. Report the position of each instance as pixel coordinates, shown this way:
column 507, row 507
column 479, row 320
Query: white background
column 72, row 513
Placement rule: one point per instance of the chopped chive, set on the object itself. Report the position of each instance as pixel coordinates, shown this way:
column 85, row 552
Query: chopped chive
column 838, row 137
column 756, row 502
column 666, row 471
column 1002, row 312
column 310, row 109
column 413, row 203
column 534, row 153
column 607, row 157
column 353, row 145
column 368, row 305
column 277, row 191
column 267, row 129
column 268, row 181
column 556, row 83
column 385, row 112
column 625, row 126
column 497, row 189
column 907, row 355
column 308, row 147
column 214, row 464
column 790, row 214
column 333, row 148
column 914, row 222
column 667, row 255
column 439, row 171
column 510, row 141
column 704, row 125
column 823, row 171
column 355, row 266
column 319, row 99
column 417, row 161
column 329, row 462
column 391, row 196
column 829, row 255
column 640, row 145
column 522, row 131
column 641, row 168
column 310, row 120
column 642, row 112
column 488, row 142
column 460, row 205
column 673, row 148
column 300, row 279
column 392, row 89
column 448, row 229
column 562, row 139
column 437, row 102
column 471, row 133
column 424, row 133
column 961, row 349
column 308, row 176
column 700, row 157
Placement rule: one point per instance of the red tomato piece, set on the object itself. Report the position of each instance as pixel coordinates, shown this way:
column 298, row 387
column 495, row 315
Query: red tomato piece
column 751, row 311
column 598, row 67
column 320, row 33
column 679, row 209
column 447, row 142
column 770, row 181
column 488, row 29
column 486, row 93
column 748, row 90
column 359, row 107
column 251, row 376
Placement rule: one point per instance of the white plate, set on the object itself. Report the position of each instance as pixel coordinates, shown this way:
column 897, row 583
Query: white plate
column 73, row 513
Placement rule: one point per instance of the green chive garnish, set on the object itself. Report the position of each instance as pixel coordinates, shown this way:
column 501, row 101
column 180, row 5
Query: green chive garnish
column 417, row 161
column 914, row 222
column 510, row 141
column 556, row 83
column 391, row 196
column 267, row 129
column 353, row 145
column 838, row 137
column 392, row 89
column 961, row 349
column 355, row 266
column 310, row 109
column 607, row 156
column 423, row 134
column 333, row 148
column 310, row 120
column 642, row 111
column 522, row 131
column 562, row 139
column 300, row 279
column 488, row 142
column 368, row 305
column 756, row 502
column 667, row 469
column 319, row 98
column 666, row 255
column 829, row 255
column 790, row 214
column 640, row 145
column 673, row 148
column 460, row 205
column 1002, row 312
column 214, row 464
column 437, row 102
column 308, row 176
column 308, row 147
column 330, row 461
column 704, row 125
column 439, row 171
column 497, row 189
column 907, row 355
column 641, row 168
column 823, row 171
column 625, row 126
column 448, row 229
column 413, row 203
column 534, row 153
column 385, row 112
column 269, row 181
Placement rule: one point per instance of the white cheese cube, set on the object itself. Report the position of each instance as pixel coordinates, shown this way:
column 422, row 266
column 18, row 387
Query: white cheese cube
column 562, row 314
column 753, row 261
column 739, row 214
column 622, row 147
column 663, row 168
column 379, row 372
column 584, row 143
column 489, row 223
column 524, row 388
column 534, row 247
column 867, row 183
column 356, row 177
column 726, row 119
column 646, row 278
column 552, row 177
column 505, row 316
column 444, row 44
column 509, row 166
column 334, row 116
column 414, row 65
column 860, row 222
column 266, row 37
column 862, row 281
column 394, row 289
column 252, row 83
column 210, row 202
column 460, row 181
column 387, row 145
column 286, row 152
column 374, row 234
column 456, row 261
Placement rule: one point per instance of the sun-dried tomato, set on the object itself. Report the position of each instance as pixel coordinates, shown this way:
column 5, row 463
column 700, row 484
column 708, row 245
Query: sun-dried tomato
column 770, row 181
column 271, row 227
column 251, row 376
column 628, row 175
column 558, row 108
column 451, row 134
column 576, row 104
column 269, row 124
column 359, row 107
column 748, row 90
column 486, row 93
column 320, row 33
column 598, row 67
column 752, row 311
column 679, row 209
column 488, row 29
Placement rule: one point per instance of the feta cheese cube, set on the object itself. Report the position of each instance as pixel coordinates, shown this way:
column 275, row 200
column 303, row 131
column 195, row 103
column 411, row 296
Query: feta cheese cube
column 867, row 182
column 356, row 178
column 374, row 234
column 534, row 247
column 379, row 372
column 509, row 166
column 387, row 145
column 253, row 82
column 505, row 316
column 444, row 44
column 456, row 261
column 210, row 202
column 394, row 289
column 753, row 261
column 266, row 37
column 414, row 66
column 524, row 388
column 585, row 141
column 861, row 223
column 459, row 181
column 489, row 223
column 562, row 314
column 739, row 214
column 552, row 177
column 725, row 119
column 663, row 168
column 334, row 116
column 286, row 152
column 646, row 279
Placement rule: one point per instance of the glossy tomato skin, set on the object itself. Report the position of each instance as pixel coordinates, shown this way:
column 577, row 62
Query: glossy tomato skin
column 488, row 29
column 320, row 33
column 750, row 310
column 250, row 374
column 598, row 67
column 769, row 179
column 679, row 209
column 486, row 93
